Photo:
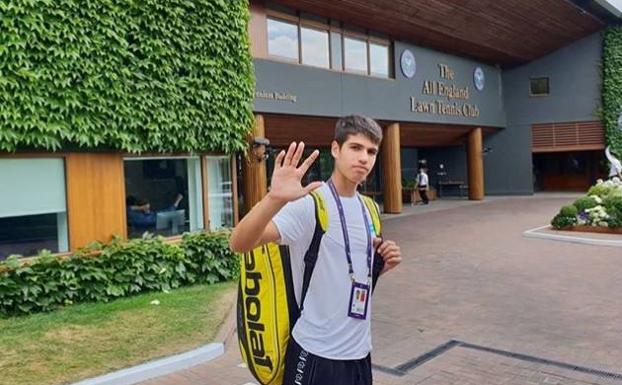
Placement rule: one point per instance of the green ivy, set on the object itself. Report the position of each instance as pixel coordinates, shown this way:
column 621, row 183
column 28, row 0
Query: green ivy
column 612, row 84
column 131, row 75
column 101, row 273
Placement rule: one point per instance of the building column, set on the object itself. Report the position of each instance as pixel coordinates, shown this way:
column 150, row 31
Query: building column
column 392, row 169
column 475, row 164
column 255, row 184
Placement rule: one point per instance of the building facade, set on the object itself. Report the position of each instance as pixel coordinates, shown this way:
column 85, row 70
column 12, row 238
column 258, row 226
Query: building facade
column 121, row 126
column 535, row 107
column 494, row 97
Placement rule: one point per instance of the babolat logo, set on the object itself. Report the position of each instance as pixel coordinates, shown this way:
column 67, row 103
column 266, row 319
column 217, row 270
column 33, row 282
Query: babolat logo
column 252, row 307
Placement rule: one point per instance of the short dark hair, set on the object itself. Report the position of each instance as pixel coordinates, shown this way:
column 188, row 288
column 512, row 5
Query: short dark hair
column 357, row 124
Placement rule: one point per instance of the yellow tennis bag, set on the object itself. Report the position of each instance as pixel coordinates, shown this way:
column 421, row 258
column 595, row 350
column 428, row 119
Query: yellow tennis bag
column 267, row 308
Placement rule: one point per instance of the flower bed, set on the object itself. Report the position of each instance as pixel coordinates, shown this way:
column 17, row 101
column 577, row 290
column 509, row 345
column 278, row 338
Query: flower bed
column 600, row 210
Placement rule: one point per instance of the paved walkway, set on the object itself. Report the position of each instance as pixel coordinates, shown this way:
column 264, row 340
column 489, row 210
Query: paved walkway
column 474, row 302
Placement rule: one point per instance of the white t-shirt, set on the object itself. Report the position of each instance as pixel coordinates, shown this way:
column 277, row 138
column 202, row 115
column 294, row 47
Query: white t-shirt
column 422, row 179
column 324, row 327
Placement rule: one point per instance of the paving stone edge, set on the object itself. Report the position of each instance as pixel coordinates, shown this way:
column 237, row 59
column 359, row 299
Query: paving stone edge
column 536, row 233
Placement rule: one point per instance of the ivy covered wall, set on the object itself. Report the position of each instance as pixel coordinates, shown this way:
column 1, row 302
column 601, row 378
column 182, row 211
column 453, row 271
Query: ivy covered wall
column 130, row 75
column 612, row 86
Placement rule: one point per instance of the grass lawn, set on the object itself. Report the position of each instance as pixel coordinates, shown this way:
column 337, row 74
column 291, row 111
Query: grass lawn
column 92, row 339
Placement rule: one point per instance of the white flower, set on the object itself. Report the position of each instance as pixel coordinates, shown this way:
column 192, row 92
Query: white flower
column 599, row 181
column 596, row 198
column 162, row 271
column 154, row 302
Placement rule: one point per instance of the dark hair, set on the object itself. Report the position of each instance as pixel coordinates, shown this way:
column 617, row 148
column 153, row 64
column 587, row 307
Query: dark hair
column 357, row 124
column 131, row 200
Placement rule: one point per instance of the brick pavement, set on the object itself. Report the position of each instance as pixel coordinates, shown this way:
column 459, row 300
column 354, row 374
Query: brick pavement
column 469, row 275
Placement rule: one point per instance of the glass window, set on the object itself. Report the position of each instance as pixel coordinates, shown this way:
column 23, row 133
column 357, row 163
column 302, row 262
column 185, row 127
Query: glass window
column 355, row 55
column 33, row 212
column 219, row 192
column 314, row 45
column 379, row 60
column 283, row 39
column 538, row 86
column 335, row 51
column 163, row 195
column 27, row 235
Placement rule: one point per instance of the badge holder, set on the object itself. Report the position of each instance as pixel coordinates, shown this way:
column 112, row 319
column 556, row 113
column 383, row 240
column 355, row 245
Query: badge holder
column 359, row 297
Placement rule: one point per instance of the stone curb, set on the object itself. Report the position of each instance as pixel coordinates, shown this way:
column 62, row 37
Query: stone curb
column 159, row 367
column 535, row 233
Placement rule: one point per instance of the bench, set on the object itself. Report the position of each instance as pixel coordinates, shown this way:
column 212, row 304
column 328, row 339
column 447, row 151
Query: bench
column 452, row 185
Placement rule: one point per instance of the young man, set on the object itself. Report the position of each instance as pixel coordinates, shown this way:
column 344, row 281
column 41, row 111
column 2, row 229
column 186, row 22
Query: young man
column 331, row 341
column 423, row 185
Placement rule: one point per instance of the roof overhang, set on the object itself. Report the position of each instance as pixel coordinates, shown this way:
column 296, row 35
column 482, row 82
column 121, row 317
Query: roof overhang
column 505, row 32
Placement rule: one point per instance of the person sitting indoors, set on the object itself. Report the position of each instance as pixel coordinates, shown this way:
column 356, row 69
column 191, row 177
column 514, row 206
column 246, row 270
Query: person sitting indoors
column 139, row 213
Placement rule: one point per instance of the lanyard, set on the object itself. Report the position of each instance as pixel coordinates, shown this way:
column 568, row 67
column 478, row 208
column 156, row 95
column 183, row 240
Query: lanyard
column 344, row 229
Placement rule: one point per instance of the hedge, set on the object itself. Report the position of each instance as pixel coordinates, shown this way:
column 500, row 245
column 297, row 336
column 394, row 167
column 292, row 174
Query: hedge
column 149, row 75
column 120, row 268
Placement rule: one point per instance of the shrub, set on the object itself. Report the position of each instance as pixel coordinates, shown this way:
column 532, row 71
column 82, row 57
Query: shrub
column 568, row 211
column 120, row 268
column 584, row 203
column 613, row 202
column 561, row 221
column 615, row 219
column 601, row 190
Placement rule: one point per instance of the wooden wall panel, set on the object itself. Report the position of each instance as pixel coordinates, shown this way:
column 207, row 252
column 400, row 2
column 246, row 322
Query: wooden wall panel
column 95, row 197
column 568, row 136
column 319, row 132
column 258, row 30
column 392, row 169
column 255, row 178
column 475, row 165
column 313, row 131
column 566, row 182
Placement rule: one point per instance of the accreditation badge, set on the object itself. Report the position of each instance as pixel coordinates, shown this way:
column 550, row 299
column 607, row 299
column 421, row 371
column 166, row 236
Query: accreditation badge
column 359, row 297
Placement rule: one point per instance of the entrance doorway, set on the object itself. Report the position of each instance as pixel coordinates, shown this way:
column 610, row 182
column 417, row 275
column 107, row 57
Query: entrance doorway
column 567, row 171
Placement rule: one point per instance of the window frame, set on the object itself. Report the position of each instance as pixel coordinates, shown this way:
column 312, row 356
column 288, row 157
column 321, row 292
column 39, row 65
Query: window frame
column 389, row 57
column 42, row 155
column 331, row 26
column 201, row 181
column 548, row 86
column 315, row 27
column 288, row 20
column 357, row 37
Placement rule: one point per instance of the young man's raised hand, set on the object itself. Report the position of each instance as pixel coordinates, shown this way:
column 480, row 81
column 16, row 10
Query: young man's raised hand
column 256, row 227
column 286, row 183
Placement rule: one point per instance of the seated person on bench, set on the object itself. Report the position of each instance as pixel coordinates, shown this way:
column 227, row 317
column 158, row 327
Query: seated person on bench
column 139, row 213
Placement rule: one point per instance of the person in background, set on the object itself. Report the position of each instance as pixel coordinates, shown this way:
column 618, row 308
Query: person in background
column 139, row 213
column 423, row 185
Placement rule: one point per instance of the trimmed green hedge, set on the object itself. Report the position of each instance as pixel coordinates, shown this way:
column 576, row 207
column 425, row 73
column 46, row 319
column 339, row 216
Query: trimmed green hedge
column 118, row 269
column 612, row 84
column 149, row 75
